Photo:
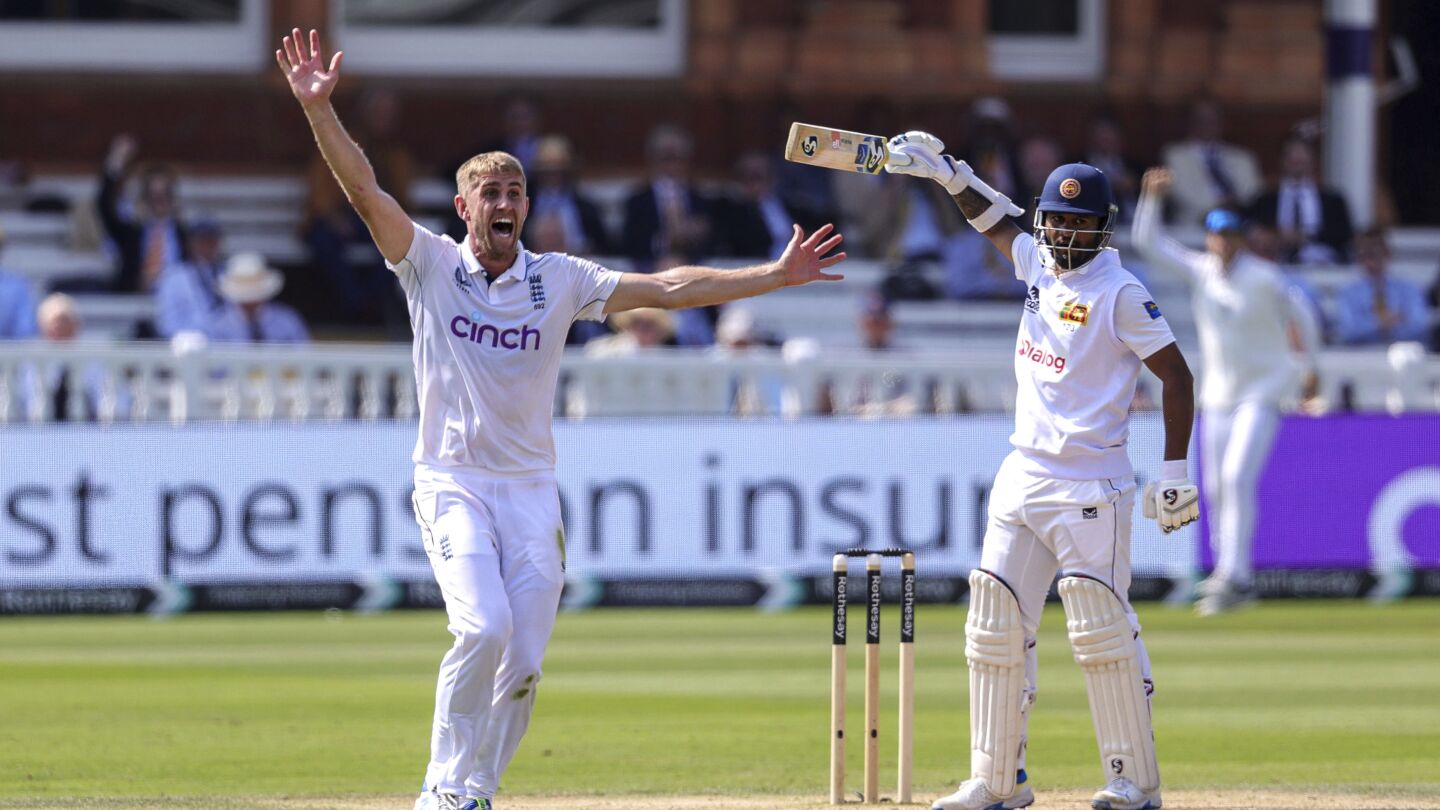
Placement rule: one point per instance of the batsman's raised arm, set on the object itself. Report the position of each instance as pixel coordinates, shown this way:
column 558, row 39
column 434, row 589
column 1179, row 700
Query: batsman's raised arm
column 312, row 82
column 919, row 154
column 803, row 261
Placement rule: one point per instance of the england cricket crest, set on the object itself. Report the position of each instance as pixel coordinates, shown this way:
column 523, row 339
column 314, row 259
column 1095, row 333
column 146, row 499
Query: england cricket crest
column 537, row 291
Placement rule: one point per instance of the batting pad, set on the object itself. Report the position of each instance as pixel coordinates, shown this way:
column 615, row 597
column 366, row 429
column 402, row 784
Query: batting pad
column 995, row 649
column 1106, row 650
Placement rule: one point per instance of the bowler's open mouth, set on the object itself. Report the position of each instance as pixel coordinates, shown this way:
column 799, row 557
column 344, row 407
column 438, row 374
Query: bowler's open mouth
column 503, row 227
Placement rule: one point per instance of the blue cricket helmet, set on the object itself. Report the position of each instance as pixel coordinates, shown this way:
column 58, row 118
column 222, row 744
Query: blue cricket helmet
column 1075, row 188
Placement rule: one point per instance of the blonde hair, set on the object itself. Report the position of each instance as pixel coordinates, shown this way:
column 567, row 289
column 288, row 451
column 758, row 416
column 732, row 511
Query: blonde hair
column 472, row 170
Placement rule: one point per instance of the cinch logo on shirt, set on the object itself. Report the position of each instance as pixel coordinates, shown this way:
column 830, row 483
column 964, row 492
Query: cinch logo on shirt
column 483, row 333
column 1040, row 357
column 1075, row 312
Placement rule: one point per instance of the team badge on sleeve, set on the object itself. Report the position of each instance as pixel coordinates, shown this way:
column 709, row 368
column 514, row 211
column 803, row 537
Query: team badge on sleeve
column 1153, row 309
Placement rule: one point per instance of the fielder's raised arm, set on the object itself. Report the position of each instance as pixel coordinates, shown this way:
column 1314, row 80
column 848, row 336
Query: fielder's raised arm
column 312, row 82
column 919, row 154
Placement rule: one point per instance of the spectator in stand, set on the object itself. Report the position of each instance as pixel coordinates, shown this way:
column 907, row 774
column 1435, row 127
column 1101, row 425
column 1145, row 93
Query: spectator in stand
column 1038, row 156
column 188, row 293
column 876, row 394
column 520, row 135
column 562, row 220
column 57, row 319
column 875, row 324
column 757, row 221
column 358, row 288
column 1208, row 172
column 976, row 271
column 1378, row 309
column 737, row 334
column 152, row 236
column 17, row 308
column 51, row 385
column 250, row 314
column 1433, row 299
column 635, row 329
column 993, row 150
column 1105, row 150
column 1313, row 221
column 667, row 215
column 522, row 131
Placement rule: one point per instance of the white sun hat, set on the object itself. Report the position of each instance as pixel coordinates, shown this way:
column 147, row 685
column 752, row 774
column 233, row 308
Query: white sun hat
column 248, row 280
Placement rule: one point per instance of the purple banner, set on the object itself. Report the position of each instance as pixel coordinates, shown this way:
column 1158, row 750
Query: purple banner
column 1349, row 491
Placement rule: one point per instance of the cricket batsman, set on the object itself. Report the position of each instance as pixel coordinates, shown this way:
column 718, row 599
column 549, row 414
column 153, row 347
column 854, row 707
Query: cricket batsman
column 1062, row 500
column 490, row 320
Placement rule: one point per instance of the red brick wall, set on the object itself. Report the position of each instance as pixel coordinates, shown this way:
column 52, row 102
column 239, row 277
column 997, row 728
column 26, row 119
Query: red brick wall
column 754, row 66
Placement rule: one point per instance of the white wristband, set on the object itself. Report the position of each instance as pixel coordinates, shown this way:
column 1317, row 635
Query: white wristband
column 963, row 178
column 998, row 210
column 1174, row 470
column 1000, row 205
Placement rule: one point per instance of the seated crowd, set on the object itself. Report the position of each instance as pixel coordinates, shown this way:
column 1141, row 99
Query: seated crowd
column 670, row 217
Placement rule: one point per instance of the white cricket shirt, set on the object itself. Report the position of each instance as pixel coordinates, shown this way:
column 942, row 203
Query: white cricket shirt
column 1082, row 337
column 487, row 357
column 1240, row 317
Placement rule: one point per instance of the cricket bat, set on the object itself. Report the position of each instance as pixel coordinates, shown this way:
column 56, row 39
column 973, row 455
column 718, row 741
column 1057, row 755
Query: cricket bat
column 836, row 149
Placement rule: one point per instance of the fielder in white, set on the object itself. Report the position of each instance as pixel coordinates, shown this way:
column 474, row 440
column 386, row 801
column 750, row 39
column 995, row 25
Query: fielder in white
column 1062, row 501
column 490, row 320
column 1258, row 337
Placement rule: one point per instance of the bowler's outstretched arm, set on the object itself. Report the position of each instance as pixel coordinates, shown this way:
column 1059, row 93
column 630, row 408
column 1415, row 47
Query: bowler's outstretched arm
column 803, row 261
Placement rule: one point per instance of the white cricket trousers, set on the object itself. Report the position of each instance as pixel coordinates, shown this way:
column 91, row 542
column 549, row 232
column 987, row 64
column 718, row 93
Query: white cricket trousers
column 1040, row 526
column 496, row 546
column 1234, row 447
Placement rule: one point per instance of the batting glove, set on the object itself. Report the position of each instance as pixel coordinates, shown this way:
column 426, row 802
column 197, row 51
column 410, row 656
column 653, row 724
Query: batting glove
column 918, row 154
column 1173, row 501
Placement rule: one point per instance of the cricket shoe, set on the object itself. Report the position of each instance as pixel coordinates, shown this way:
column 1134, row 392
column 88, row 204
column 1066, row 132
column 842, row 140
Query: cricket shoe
column 974, row 795
column 450, row 801
column 1122, row 794
column 1222, row 597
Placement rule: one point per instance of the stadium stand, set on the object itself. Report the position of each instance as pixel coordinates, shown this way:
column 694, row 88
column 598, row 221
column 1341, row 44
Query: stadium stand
column 956, row 346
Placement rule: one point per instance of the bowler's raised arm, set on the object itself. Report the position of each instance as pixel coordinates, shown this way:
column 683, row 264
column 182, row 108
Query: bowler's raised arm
column 312, row 82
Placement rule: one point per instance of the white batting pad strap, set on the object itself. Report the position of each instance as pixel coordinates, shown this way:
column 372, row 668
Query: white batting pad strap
column 998, row 210
column 1105, row 648
column 995, row 650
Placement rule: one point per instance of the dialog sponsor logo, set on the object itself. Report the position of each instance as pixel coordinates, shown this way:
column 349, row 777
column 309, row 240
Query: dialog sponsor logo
column 1040, row 356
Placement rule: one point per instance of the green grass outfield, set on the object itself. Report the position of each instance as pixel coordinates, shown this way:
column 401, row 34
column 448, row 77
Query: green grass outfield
column 1327, row 696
